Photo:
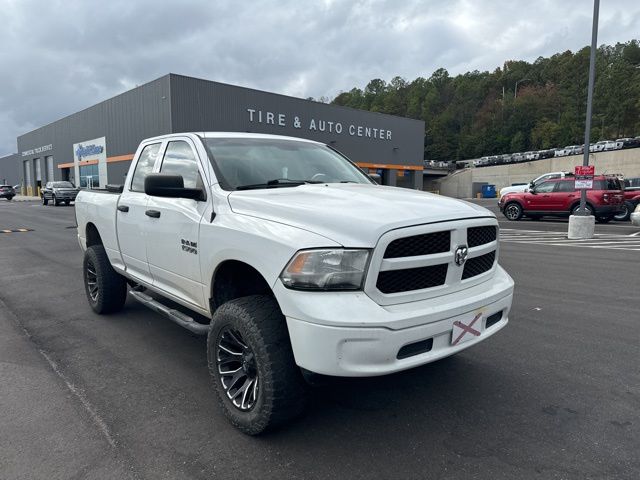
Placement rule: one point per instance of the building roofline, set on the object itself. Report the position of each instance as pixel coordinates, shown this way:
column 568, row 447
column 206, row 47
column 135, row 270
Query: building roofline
column 292, row 97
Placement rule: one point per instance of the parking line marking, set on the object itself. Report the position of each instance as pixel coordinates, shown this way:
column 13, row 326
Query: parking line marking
column 609, row 241
column 16, row 230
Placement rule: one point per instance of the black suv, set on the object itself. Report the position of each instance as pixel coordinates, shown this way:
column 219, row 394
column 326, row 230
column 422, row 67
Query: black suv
column 59, row 192
column 7, row 191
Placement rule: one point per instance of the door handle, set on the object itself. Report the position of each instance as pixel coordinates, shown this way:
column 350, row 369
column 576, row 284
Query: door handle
column 152, row 213
column 123, row 208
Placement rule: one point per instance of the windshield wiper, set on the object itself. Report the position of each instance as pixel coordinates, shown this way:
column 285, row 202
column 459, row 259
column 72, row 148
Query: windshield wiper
column 275, row 183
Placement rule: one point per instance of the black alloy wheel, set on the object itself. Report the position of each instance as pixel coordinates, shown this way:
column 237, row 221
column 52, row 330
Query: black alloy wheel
column 237, row 367
column 106, row 289
column 257, row 382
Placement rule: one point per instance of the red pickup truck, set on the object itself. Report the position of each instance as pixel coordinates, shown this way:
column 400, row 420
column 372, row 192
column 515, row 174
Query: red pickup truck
column 559, row 198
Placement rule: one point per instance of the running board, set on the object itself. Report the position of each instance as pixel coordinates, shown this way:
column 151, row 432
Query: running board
column 172, row 314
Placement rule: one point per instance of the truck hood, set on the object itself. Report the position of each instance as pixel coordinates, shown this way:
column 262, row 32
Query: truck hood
column 352, row 215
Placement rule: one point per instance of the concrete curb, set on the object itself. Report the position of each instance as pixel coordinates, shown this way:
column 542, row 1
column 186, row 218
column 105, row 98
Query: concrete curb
column 24, row 198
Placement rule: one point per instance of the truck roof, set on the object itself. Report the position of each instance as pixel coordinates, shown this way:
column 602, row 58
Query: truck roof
column 235, row 135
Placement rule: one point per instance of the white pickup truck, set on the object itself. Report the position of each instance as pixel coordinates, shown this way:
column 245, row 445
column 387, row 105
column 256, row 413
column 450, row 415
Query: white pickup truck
column 293, row 261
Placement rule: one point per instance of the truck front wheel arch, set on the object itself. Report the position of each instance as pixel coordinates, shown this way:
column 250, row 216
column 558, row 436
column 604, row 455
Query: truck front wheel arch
column 235, row 279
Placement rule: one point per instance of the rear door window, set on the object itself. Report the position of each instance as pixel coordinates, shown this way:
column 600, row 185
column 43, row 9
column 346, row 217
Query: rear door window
column 566, row 186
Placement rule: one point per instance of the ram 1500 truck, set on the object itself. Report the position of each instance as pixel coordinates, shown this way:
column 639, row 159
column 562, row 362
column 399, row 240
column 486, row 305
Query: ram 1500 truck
column 293, row 262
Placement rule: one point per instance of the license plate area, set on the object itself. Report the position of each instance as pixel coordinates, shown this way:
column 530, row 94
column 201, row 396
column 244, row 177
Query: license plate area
column 467, row 328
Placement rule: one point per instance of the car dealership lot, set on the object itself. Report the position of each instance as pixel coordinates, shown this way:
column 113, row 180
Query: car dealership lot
column 554, row 395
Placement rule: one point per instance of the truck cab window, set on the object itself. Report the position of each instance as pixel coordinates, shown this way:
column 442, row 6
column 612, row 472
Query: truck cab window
column 144, row 167
column 179, row 159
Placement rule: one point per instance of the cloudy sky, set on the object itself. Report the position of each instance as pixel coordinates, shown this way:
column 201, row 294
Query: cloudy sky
column 57, row 57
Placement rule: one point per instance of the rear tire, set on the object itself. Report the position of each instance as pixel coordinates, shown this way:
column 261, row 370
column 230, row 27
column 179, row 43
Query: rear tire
column 513, row 211
column 106, row 290
column 576, row 208
column 9, row 199
column 249, row 341
column 67, row 202
column 624, row 215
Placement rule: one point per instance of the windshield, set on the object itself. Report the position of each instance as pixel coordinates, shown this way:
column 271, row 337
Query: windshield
column 243, row 163
column 62, row 185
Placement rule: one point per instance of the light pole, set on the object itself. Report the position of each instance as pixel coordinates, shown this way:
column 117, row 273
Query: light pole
column 515, row 90
column 582, row 225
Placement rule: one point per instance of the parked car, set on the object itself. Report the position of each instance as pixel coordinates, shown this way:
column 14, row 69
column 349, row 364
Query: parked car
column 559, row 198
column 598, row 146
column 576, row 150
column 628, row 142
column 294, row 261
column 59, row 192
column 631, row 199
column 531, row 156
column 7, row 191
column 563, row 152
column 517, row 157
column 611, row 145
column 550, row 153
column 523, row 187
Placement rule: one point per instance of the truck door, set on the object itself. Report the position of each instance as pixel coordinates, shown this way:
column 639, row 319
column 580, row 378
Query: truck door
column 540, row 201
column 130, row 215
column 173, row 230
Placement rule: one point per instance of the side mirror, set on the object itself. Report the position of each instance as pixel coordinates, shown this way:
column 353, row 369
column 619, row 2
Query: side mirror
column 376, row 178
column 170, row 186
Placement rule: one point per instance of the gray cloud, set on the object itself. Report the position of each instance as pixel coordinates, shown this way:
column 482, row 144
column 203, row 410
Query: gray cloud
column 59, row 57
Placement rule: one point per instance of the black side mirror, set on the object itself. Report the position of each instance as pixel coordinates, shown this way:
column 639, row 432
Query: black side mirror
column 376, row 178
column 170, row 186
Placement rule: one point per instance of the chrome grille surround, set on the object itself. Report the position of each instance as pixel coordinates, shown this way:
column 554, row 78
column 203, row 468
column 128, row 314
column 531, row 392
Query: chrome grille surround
column 453, row 280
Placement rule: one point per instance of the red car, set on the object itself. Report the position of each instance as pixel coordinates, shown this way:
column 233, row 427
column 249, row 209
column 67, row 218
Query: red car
column 631, row 198
column 559, row 198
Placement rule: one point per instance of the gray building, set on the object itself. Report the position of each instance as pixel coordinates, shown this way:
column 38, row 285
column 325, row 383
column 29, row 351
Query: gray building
column 10, row 170
column 94, row 147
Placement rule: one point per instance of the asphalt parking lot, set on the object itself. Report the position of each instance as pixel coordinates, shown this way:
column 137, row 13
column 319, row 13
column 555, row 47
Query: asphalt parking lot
column 554, row 395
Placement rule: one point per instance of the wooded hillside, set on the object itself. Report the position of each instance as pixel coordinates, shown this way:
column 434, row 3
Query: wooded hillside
column 479, row 113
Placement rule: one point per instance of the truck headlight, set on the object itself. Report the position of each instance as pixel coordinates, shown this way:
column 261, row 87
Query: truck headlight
column 330, row 269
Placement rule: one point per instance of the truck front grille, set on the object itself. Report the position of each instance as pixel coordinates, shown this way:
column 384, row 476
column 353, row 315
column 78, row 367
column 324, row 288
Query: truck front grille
column 419, row 262
column 481, row 235
column 416, row 245
column 476, row 266
column 394, row 281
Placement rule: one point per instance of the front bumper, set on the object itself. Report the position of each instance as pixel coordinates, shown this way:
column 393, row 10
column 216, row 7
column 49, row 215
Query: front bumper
column 348, row 334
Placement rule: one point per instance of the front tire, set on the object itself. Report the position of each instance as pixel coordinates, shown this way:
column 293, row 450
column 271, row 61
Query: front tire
column 55, row 201
column 251, row 362
column 106, row 290
column 513, row 211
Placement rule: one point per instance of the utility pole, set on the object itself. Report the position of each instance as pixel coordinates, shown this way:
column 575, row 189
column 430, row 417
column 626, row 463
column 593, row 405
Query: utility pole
column 582, row 225
column 592, row 74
